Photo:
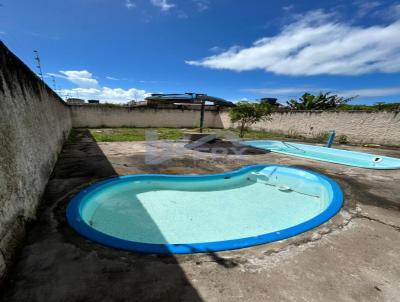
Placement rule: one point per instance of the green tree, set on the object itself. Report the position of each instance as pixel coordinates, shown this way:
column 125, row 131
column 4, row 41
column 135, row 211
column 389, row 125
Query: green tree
column 247, row 114
column 380, row 106
column 322, row 101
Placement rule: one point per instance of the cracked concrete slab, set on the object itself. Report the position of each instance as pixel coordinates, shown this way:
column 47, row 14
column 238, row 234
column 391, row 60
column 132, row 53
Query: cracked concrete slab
column 352, row 257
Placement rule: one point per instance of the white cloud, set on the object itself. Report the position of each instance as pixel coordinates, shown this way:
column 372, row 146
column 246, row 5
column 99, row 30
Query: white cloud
column 112, row 78
column 89, row 88
column 371, row 92
column 365, row 7
column 317, row 44
column 182, row 15
column 282, row 90
column 163, row 4
column 82, row 78
column 216, row 49
column 201, row 5
column 129, row 4
column 393, row 12
column 105, row 94
column 288, row 8
column 296, row 91
column 379, row 10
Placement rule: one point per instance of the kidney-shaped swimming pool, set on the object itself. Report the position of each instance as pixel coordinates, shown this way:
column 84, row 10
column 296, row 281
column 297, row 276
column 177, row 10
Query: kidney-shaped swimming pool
column 155, row 213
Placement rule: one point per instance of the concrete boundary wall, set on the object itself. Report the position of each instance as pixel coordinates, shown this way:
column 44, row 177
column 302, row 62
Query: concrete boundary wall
column 104, row 116
column 34, row 124
column 379, row 127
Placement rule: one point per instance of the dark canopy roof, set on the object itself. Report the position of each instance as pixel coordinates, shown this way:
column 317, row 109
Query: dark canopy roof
column 188, row 97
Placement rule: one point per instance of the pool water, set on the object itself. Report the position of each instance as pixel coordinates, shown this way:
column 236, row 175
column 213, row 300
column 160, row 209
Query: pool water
column 199, row 213
column 338, row 156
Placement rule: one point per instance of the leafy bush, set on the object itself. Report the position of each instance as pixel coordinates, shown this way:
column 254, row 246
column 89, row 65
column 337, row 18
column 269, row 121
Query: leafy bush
column 247, row 114
column 342, row 139
column 380, row 106
column 293, row 134
column 321, row 137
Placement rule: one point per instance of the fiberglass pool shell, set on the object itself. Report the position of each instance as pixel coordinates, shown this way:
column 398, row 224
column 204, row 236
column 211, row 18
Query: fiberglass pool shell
column 216, row 212
column 332, row 155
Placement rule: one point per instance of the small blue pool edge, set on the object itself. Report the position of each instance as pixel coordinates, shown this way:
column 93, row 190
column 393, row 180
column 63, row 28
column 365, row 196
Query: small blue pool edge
column 75, row 220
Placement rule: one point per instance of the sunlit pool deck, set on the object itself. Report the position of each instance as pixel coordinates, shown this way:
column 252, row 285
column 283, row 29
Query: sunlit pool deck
column 352, row 257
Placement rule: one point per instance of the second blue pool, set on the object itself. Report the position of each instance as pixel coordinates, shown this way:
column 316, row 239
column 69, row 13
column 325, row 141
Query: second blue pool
column 333, row 155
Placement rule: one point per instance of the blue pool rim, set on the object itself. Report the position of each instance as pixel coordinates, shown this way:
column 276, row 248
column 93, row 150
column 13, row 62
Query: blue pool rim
column 76, row 221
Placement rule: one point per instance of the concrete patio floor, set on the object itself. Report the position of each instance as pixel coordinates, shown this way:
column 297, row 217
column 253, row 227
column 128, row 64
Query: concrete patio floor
column 353, row 257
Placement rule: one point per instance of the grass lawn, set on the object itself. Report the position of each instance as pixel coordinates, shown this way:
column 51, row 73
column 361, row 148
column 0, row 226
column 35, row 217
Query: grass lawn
column 133, row 134
column 138, row 134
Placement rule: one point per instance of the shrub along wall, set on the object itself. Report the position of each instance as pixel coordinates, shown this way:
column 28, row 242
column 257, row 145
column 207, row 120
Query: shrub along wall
column 34, row 123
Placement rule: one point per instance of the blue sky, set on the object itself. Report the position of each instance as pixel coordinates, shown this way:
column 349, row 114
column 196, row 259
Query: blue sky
column 117, row 50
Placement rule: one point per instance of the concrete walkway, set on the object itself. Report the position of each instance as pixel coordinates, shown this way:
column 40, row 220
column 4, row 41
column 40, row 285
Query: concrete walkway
column 353, row 257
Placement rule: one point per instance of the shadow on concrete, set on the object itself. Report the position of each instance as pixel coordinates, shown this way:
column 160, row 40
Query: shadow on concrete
column 226, row 147
column 225, row 262
column 57, row 264
column 215, row 257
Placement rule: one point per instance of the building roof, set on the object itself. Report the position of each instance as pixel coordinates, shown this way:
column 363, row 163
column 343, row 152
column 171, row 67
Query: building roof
column 188, row 97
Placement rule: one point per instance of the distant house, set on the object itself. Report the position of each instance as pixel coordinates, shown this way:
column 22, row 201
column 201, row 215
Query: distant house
column 75, row 101
column 93, row 101
column 186, row 100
